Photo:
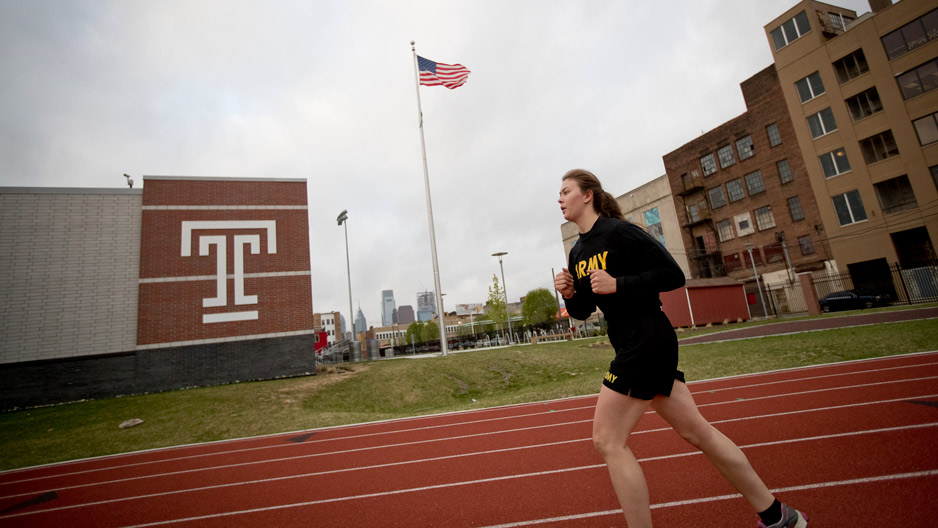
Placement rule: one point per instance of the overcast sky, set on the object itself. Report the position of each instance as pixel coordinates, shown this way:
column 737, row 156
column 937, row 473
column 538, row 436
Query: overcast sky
column 324, row 90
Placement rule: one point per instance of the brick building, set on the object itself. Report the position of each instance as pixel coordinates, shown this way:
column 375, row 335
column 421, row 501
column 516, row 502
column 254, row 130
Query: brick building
column 742, row 186
column 863, row 96
column 186, row 282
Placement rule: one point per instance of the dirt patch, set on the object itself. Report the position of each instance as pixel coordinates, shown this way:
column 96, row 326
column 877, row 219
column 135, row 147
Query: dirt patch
column 600, row 344
column 302, row 388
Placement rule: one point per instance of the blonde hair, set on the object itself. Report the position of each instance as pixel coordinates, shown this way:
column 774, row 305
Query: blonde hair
column 604, row 203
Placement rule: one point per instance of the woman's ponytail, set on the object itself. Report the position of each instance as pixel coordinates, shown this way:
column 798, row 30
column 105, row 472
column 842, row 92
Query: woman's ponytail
column 610, row 207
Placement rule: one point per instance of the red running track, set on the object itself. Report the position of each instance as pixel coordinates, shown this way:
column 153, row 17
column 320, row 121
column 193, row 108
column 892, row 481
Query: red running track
column 856, row 440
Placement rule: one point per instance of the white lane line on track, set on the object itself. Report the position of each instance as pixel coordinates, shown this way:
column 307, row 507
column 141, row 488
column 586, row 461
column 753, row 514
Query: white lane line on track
column 415, row 418
column 293, row 445
column 808, row 331
column 527, row 475
column 336, row 499
column 814, row 391
column 701, row 500
column 811, row 378
column 327, row 453
column 518, row 448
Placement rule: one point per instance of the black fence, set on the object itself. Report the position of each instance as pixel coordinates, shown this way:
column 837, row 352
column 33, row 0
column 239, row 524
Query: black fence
column 891, row 284
column 866, row 286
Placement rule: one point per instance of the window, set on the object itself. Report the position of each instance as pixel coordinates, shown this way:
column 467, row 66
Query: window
column 794, row 207
column 774, row 137
column 773, row 253
column 920, row 80
column 784, row 171
column 725, row 230
column 756, row 256
column 754, row 183
column 693, row 213
column 708, row 164
column 822, row 123
column 734, row 189
column 840, row 21
column 879, row 147
column 726, row 156
column 743, row 224
column 911, row 35
column 934, row 174
column 764, row 218
column 791, row 30
column 810, row 87
column 864, row 104
column 732, row 263
column 834, row 163
column 895, row 195
column 849, row 208
column 851, row 66
column 927, row 129
column 716, row 197
column 807, row 246
column 744, row 148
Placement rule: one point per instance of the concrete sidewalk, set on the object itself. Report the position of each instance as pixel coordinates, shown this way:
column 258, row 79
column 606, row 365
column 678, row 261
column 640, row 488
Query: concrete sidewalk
column 810, row 325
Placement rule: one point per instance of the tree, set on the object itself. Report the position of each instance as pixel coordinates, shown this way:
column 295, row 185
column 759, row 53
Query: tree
column 415, row 333
column 498, row 310
column 421, row 332
column 432, row 331
column 539, row 307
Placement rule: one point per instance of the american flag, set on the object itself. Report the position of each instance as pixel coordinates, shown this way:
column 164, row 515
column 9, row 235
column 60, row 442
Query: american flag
column 439, row 74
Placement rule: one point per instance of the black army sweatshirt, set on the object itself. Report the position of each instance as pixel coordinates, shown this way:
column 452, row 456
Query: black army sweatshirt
column 641, row 266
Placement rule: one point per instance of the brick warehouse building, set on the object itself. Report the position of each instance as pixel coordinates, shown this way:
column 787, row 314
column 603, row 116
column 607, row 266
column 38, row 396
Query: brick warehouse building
column 745, row 182
column 186, row 282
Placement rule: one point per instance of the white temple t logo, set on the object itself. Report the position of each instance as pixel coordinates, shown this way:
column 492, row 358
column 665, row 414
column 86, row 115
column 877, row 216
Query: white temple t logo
column 221, row 252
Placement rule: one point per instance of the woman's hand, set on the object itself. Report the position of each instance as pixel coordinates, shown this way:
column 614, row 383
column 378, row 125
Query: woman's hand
column 563, row 282
column 601, row 282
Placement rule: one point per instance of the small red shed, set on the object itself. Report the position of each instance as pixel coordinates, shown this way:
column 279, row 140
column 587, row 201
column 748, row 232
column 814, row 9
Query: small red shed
column 702, row 301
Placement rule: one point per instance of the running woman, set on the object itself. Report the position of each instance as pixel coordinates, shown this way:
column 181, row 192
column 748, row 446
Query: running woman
column 618, row 267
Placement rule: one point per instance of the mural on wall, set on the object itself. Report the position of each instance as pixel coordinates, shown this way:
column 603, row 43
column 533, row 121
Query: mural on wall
column 653, row 224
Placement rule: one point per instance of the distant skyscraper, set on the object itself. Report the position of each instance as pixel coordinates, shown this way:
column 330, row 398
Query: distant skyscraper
column 361, row 324
column 426, row 308
column 387, row 307
column 405, row 314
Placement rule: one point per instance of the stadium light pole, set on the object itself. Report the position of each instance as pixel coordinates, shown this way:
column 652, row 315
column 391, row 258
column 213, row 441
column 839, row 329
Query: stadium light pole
column 342, row 219
column 500, row 254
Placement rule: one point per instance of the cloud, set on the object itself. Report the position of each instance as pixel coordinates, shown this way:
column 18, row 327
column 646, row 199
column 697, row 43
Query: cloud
column 325, row 91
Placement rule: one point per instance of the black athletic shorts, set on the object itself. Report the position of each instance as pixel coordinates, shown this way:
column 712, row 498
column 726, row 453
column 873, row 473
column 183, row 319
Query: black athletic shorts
column 646, row 358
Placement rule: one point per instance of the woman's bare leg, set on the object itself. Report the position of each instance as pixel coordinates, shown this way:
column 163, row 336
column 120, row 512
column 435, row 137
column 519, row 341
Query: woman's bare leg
column 615, row 418
column 680, row 411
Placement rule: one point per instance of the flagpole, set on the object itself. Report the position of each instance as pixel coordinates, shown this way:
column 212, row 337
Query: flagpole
column 426, row 181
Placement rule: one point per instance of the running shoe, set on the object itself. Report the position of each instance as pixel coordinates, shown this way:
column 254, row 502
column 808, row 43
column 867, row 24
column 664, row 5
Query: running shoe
column 791, row 518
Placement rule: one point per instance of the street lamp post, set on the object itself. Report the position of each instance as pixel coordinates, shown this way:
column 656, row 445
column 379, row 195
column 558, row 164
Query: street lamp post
column 765, row 313
column 500, row 254
column 343, row 220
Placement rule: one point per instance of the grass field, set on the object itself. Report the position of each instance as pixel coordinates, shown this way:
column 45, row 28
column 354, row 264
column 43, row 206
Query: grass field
column 380, row 390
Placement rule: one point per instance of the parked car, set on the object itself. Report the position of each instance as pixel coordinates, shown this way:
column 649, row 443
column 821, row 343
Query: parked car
column 848, row 300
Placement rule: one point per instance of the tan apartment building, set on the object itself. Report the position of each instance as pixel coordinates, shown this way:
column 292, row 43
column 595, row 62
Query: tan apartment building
column 744, row 201
column 651, row 206
column 862, row 93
